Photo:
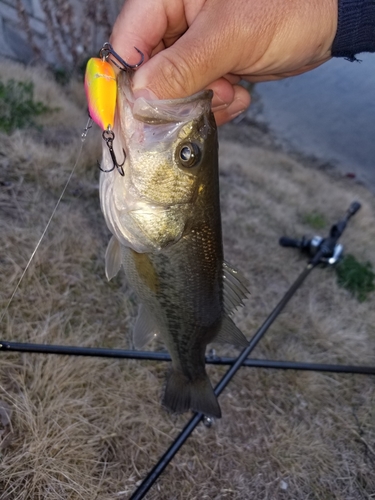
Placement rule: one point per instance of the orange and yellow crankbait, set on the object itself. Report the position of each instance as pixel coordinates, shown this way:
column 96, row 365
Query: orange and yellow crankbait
column 101, row 95
column 101, row 92
column 101, row 85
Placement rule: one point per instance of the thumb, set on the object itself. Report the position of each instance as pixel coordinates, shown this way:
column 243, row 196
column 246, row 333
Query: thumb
column 191, row 64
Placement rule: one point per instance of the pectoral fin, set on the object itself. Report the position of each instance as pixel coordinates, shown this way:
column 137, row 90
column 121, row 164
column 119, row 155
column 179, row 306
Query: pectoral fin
column 113, row 257
column 145, row 328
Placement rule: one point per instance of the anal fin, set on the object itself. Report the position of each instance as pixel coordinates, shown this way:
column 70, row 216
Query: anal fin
column 230, row 334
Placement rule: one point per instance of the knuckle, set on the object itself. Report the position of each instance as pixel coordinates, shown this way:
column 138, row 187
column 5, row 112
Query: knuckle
column 176, row 77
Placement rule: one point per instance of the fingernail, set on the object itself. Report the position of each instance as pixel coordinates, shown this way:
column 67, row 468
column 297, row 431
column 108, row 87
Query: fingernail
column 237, row 107
column 140, row 85
column 234, row 115
column 219, row 108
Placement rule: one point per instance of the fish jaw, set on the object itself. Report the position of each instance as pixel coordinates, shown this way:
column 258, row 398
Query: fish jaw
column 144, row 227
column 150, row 206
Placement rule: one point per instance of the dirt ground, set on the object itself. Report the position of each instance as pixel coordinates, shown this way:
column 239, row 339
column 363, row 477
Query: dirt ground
column 89, row 428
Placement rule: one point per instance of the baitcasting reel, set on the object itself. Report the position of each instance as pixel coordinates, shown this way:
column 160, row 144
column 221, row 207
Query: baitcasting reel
column 323, row 250
column 311, row 247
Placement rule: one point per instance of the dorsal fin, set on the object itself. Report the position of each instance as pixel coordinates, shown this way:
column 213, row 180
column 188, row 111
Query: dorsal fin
column 113, row 257
column 234, row 290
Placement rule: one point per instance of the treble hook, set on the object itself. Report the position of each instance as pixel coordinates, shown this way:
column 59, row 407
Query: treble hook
column 108, row 49
column 108, row 136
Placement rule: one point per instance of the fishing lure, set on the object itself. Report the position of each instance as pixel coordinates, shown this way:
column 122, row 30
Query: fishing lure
column 101, row 91
column 101, row 94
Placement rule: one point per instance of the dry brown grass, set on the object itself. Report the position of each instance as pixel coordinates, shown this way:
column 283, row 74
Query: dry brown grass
column 85, row 428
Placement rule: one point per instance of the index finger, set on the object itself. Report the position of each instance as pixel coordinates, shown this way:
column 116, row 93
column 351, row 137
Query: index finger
column 146, row 25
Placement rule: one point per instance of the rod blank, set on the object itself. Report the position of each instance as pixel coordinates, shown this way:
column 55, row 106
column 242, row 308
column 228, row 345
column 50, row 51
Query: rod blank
column 161, row 356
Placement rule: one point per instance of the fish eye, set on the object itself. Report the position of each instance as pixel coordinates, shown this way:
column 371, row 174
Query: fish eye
column 189, row 154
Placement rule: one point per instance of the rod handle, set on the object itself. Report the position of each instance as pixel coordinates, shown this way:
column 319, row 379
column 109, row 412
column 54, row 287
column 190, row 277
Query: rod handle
column 284, row 241
column 353, row 209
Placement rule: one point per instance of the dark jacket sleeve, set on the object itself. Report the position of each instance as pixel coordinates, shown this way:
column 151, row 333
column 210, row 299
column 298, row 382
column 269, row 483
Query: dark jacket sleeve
column 356, row 28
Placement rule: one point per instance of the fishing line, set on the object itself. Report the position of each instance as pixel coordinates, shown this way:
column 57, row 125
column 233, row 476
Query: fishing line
column 83, row 138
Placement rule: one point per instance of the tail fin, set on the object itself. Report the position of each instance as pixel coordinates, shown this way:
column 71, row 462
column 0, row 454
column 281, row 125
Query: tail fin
column 182, row 394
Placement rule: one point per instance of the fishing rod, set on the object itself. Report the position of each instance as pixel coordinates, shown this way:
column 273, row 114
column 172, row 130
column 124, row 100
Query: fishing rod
column 326, row 251
column 321, row 250
column 211, row 359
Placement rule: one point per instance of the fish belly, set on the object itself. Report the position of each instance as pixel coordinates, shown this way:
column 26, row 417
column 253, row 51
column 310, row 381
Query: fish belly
column 181, row 295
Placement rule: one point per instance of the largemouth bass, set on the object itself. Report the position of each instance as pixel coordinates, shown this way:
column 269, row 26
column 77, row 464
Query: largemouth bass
column 164, row 214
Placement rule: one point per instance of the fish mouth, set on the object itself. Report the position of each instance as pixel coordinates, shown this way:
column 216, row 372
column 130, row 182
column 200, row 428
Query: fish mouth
column 159, row 111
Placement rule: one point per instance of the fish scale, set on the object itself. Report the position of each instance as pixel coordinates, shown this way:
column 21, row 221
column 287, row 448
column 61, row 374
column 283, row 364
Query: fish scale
column 164, row 214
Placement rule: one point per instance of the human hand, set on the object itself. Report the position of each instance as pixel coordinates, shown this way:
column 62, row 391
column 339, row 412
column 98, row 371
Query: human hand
column 190, row 45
